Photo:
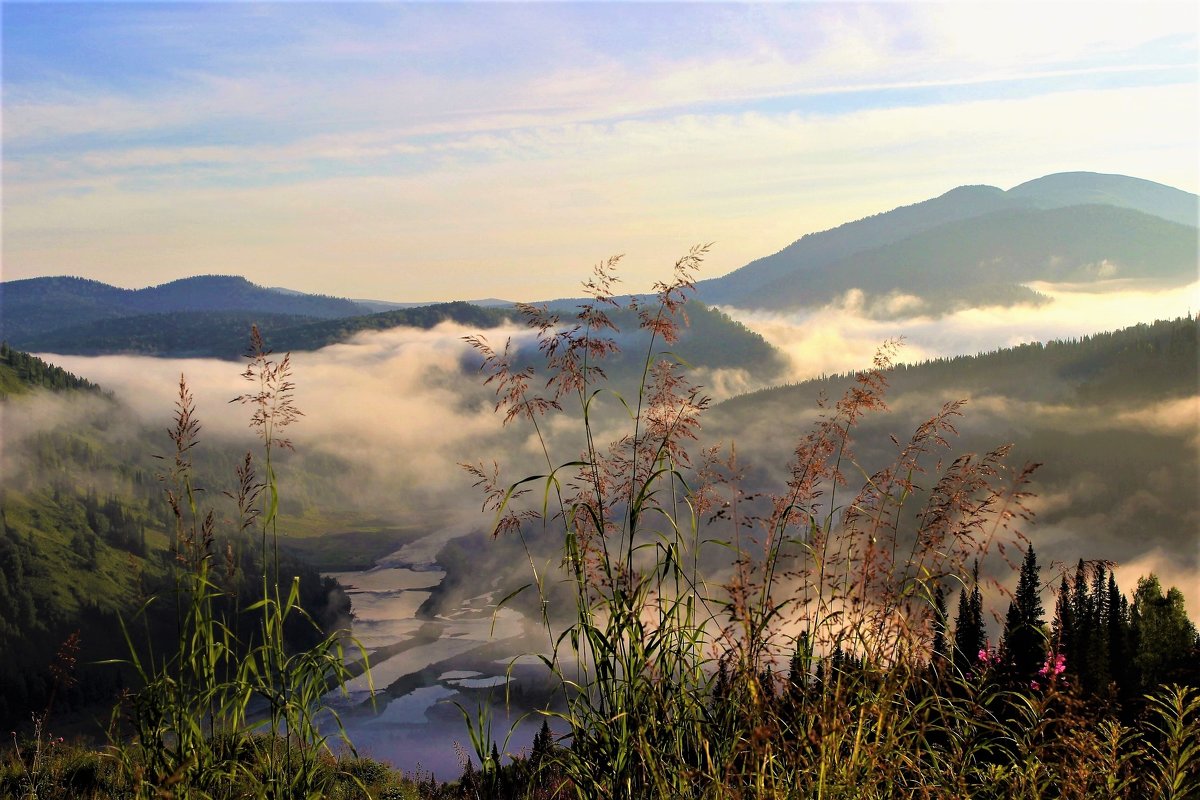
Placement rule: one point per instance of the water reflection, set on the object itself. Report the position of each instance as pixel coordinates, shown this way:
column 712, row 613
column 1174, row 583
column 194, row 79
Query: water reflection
column 421, row 666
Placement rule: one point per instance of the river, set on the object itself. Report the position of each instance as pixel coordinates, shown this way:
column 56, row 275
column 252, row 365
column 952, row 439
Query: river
column 421, row 667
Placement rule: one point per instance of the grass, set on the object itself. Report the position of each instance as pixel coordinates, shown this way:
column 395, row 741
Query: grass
column 805, row 667
column 721, row 644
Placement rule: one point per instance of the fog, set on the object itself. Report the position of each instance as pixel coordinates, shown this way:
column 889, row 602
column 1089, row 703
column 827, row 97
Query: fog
column 401, row 407
column 398, row 411
column 389, row 416
column 843, row 336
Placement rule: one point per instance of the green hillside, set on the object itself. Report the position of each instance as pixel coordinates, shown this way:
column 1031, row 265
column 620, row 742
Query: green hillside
column 85, row 533
column 20, row 372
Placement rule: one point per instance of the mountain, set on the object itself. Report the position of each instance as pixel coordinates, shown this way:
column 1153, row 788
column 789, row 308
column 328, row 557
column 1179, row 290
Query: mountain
column 184, row 334
column 225, row 334
column 1092, row 188
column 986, row 260
column 820, row 266
column 38, row 305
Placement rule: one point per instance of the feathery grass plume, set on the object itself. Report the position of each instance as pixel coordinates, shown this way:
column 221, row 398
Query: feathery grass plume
column 193, row 728
column 186, row 695
column 672, row 681
column 289, row 759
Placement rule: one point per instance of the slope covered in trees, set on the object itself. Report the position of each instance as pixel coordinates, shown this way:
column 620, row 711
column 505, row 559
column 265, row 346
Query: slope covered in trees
column 1111, row 417
column 85, row 539
column 21, row 372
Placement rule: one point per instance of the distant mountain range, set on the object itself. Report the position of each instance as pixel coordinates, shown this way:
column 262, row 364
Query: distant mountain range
column 977, row 245
column 973, row 246
column 711, row 340
column 225, row 334
column 39, row 305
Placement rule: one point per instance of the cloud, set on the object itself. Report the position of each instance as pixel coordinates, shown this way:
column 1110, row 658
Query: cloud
column 506, row 212
column 312, row 138
column 843, row 337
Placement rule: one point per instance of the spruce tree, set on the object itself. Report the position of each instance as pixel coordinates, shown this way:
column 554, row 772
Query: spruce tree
column 1099, row 676
column 1081, row 611
column 1064, row 621
column 1024, row 643
column 543, row 745
column 1117, row 635
column 969, row 634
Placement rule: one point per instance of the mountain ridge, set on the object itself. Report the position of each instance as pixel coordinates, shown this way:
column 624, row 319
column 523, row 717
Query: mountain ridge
column 757, row 284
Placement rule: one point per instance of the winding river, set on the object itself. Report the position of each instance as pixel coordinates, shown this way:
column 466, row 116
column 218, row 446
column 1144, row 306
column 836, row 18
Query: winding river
column 404, row 713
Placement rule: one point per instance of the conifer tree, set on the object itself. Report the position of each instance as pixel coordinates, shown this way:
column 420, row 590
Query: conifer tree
column 1098, row 656
column 1024, row 643
column 543, row 744
column 1064, row 620
column 1080, row 614
column 969, row 634
column 1117, row 635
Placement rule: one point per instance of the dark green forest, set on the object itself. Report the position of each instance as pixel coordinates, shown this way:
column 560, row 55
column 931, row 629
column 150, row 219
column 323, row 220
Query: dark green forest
column 20, row 372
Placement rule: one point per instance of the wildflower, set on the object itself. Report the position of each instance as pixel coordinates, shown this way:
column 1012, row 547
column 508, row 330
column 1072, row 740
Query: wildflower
column 1055, row 665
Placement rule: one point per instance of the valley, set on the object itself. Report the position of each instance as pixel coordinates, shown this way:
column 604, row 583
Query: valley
column 383, row 524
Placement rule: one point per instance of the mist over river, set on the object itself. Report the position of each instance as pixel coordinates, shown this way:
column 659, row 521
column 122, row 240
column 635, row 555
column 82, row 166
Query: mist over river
column 420, row 666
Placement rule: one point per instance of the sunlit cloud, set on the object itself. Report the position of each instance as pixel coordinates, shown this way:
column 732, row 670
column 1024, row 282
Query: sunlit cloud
column 285, row 142
column 841, row 337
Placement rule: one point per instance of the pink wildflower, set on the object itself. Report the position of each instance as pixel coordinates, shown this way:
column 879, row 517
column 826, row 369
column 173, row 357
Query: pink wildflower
column 1056, row 664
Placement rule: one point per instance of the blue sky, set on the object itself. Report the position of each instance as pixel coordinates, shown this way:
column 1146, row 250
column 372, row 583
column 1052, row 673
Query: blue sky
column 436, row 151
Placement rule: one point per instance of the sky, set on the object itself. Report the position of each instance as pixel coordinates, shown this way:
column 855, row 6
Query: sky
column 437, row 151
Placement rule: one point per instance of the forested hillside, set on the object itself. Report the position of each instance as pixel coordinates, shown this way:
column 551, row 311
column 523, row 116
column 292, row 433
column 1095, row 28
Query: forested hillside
column 21, row 372
column 1112, row 418
column 86, row 536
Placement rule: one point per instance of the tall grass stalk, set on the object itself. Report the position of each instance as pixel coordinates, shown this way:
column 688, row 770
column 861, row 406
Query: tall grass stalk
column 672, row 669
column 220, row 709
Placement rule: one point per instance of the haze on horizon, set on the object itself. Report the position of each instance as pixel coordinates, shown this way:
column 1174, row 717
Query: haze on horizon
column 444, row 151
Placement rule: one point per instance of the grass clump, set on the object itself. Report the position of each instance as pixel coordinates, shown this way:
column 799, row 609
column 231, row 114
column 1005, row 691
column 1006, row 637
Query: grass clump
column 231, row 705
column 812, row 659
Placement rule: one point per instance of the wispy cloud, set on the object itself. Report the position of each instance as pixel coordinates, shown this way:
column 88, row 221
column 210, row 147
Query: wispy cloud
column 503, row 143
